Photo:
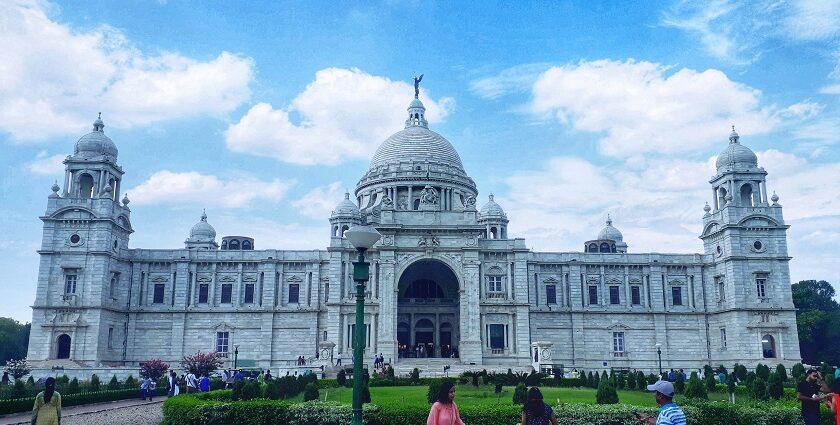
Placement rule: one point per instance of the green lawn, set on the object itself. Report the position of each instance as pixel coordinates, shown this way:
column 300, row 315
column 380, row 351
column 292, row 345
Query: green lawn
column 467, row 395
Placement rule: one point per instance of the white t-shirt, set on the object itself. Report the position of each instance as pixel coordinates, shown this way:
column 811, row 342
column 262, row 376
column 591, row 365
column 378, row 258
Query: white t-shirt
column 191, row 380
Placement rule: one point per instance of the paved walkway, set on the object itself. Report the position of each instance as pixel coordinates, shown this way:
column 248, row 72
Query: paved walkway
column 133, row 411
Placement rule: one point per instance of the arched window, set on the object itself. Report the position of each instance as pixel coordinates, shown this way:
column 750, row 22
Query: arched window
column 233, row 244
column 746, row 195
column 246, row 245
column 593, row 247
column 86, row 186
column 768, row 347
column 63, row 350
column 722, row 196
column 423, row 288
column 494, row 233
column 344, row 229
column 335, row 231
column 605, row 247
column 224, row 244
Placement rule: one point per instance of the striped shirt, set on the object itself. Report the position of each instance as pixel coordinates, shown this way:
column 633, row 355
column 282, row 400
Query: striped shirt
column 670, row 414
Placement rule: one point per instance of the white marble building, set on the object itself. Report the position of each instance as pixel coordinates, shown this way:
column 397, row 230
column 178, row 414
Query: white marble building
column 445, row 275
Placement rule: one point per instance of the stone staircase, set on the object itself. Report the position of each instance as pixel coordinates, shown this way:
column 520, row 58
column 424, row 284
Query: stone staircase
column 433, row 367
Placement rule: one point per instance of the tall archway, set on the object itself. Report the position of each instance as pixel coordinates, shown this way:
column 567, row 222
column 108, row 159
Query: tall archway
column 768, row 347
column 427, row 306
column 63, row 349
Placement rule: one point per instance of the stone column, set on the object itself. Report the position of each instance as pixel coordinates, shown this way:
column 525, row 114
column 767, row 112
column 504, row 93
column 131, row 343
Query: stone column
column 387, row 305
column 470, row 345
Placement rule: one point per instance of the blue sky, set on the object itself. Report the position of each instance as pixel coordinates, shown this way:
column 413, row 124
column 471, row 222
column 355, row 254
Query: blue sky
column 265, row 113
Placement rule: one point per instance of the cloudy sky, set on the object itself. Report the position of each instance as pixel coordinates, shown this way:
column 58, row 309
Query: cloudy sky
column 566, row 111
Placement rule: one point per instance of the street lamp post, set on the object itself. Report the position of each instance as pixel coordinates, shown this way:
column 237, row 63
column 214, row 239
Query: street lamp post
column 362, row 238
column 659, row 354
column 235, row 354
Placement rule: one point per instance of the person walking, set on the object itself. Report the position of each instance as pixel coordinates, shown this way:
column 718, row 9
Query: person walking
column 669, row 412
column 225, row 377
column 146, row 388
column 173, row 384
column 444, row 411
column 535, row 411
column 192, row 383
column 47, row 408
column 808, row 393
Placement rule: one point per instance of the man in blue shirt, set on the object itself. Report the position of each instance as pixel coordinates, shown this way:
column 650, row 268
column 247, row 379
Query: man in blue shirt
column 669, row 413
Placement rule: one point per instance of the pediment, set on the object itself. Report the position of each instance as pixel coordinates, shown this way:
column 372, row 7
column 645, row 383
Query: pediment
column 224, row 326
column 294, row 278
column 249, row 278
column 551, row 279
column 74, row 213
column 159, row 279
column 227, row 278
column 758, row 221
column 619, row 326
column 711, row 228
column 204, row 279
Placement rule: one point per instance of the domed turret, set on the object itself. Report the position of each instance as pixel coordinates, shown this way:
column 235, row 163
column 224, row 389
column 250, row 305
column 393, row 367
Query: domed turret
column 96, row 143
column 202, row 235
column 346, row 208
column 609, row 240
column 345, row 215
column 736, row 155
column 609, row 232
column 493, row 217
column 492, row 209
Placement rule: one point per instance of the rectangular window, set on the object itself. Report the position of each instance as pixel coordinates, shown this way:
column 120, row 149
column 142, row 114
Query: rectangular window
column 110, row 337
column 636, row 295
column 222, row 342
column 761, row 287
column 550, row 294
column 494, row 284
column 227, row 293
column 676, row 295
column 593, row 295
column 723, row 339
column 203, row 293
column 294, row 293
column 70, row 283
column 158, row 295
column 496, row 337
column 618, row 344
column 615, row 298
column 249, row 293
column 721, row 288
column 113, row 287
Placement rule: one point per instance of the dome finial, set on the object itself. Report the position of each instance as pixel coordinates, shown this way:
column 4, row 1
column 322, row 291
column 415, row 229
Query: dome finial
column 609, row 220
column 491, row 196
column 733, row 136
column 347, row 195
column 98, row 125
column 125, row 200
column 417, row 81
column 204, row 215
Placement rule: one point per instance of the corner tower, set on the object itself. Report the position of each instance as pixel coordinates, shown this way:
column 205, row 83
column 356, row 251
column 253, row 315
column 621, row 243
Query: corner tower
column 744, row 233
column 82, row 279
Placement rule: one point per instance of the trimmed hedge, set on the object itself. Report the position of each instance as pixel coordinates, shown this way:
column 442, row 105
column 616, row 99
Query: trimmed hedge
column 209, row 409
column 25, row 404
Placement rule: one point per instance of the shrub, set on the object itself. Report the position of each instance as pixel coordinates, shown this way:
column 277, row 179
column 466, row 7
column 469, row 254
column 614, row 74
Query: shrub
column 594, row 380
column 775, row 389
column 696, row 388
column 782, row 372
column 710, row 381
column 534, row 378
column 73, row 386
column 758, row 389
column 273, row 390
column 154, row 368
column 679, row 384
column 520, row 394
column 434, row 388
column 798, row 371
column 17, row 368
column 415, row 376
column 762, row 371
column 202, row 363
column 94, row 383
column 113, row 384
column 311, row 392
column 741, row 372
column 621, row 381
column 19, row 389
column 30, row 382
column 722, row 369
column 606, row 392
column 341, row 378
column 641, row 382
column 62, row 380
column 631, row 381
column 130, row 382
column 651, row 379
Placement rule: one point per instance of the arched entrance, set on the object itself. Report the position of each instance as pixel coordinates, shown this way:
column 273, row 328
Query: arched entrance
column 427, row 308
column 63, row 350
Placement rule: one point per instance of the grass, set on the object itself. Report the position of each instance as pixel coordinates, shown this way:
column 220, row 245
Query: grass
column 467, row 395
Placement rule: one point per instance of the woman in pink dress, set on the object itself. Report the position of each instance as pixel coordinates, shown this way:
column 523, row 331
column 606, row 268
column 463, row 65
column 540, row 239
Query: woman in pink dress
column 444, row 410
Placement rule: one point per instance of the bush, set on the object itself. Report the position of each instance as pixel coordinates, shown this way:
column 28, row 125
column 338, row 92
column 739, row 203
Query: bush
column 94, row 383
column 434, row 388
column 762, row 371
column 775, row 389
column 73, row 386
column 341, row 378
column 782, row 372
column 710, row 381
column 113, row 384
column 311, row 392
column 606, row 392
column 740, row 372
column 154, row 368
column 750, row 379
column 798, row 372
column 679, row 384
column 202, row 363
column 273, row 390
column 620, row 381
column 246, row 390
column 758, row 389
column 62, row 380
column 651, row 379
column 696, row 388
column 641, row 382
column 415, row 376
column 130, row 382
column 520, row 394
column 631, row 381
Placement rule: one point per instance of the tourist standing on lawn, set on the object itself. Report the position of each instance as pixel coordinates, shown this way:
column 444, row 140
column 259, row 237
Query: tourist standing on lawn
column 192, row 383
column 535, row 411
column 669, row 413
column 444, row 410
column 808, row 393
column 47, row 408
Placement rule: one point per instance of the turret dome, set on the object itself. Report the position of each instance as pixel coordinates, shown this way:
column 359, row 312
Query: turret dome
column 736, row 155
column 202, row 231
column 610, row 233
column 346, row 208
column 492, row 209
column 96, row 143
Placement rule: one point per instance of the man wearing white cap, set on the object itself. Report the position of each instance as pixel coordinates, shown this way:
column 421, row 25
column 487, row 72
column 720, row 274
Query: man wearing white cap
column 669, row 413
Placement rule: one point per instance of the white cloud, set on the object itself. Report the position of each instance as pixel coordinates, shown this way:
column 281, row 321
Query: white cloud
column 813, row 19
column 173, row 188
column 343, row 115
column 53, row 78
column 318, row 203
column 644, row 107
column 514, row 79
column 46, row 164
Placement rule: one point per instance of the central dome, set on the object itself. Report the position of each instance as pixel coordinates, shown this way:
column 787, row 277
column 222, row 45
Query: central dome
column 416, row 144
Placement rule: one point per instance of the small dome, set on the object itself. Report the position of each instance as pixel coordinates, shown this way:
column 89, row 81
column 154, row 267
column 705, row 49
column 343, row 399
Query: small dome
column 346, row 208
column 736, row 155
column 416, row 103
column 96, row 143
column 610, row 233
column 203, row 231
column 491, row 209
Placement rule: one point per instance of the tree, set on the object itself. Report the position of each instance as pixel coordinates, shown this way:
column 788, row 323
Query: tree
column 740, row 372
column 73, row 386
column 520, row 394
column 641, row 382
column 679, row 384
column 710, row 381
column 758, row 389
column 310, row 393
column 14, row 339
column 94, row 383
column 113, row 384
column 202, row 363
column 762, row 371
column 154, row 368
column 695, row 387
column 798, row 372
column 817, row 321
column 415, row 376
column 750, row 379
column 606, row 392
column 341, row 378
column 775, row 389
column 621, row 381
column 631, row 381
column 17, row 368
column 782, row 372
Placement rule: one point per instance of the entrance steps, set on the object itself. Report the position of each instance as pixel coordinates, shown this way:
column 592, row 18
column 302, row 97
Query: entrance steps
column 433, row 367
